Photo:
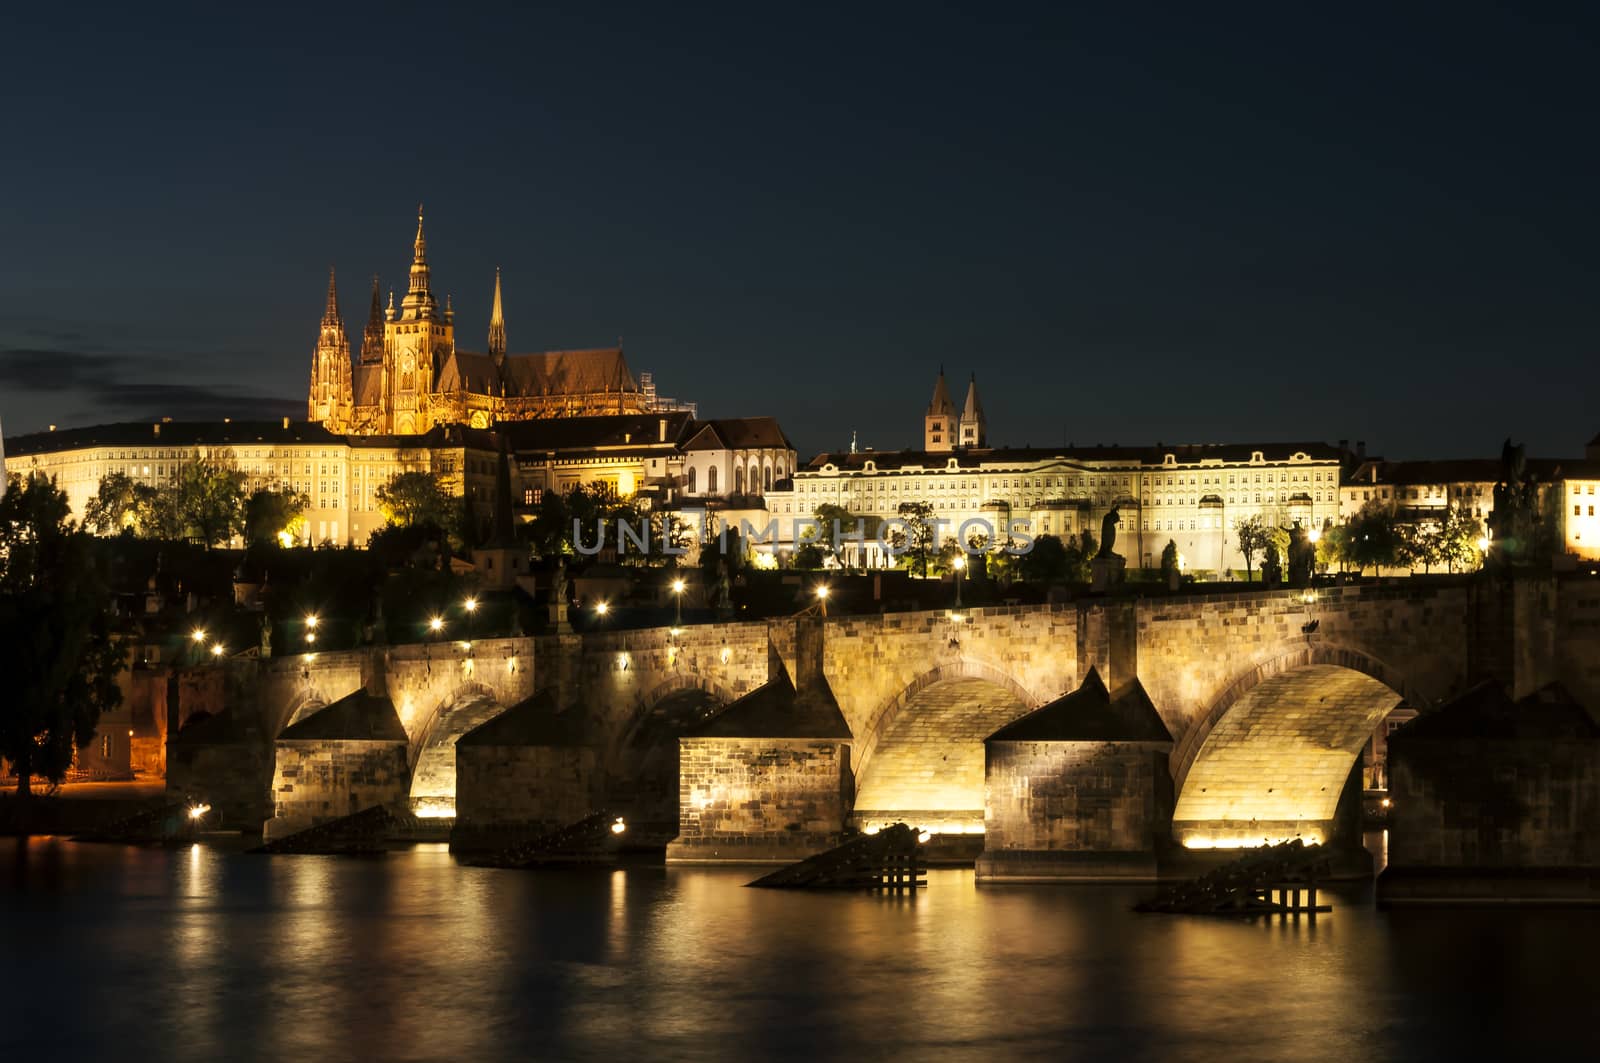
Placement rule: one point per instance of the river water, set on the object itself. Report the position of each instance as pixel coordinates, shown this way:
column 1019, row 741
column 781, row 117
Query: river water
column 203, row 953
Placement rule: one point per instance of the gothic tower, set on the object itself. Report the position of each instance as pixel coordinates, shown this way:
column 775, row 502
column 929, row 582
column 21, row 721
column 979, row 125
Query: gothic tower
column 974, row 426
column 415, row 342
column 939, row 424
column 497, row 325
column 330, row 400
column 372, row 338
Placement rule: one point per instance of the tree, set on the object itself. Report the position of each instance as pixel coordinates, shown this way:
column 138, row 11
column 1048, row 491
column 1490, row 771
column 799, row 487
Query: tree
column 155, row 513
column 1046, row 562
column 1373, row 537
column 1459, row 536
column 1418, row 544
column 1080, row 557
column 831, row 517
column 272, row 516
column 918, row 518
column 1333, row 548
column 59, row 657
column 111, row 510
column 1169, row 560
column 410, row 499
column 208, row 498
column 1253, row 537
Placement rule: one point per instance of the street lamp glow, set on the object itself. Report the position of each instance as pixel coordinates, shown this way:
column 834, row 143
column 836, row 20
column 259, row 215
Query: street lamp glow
column 960, row 562
column 1315, row 535
column 436, row 624
column 197, row 811
column 677, row 586
column 822, row 591
column 602, row 607
column 199, row 634
column 216, row 649
column 471, row 605
column 312, row 620
column 311, row 637
column 1483, row 544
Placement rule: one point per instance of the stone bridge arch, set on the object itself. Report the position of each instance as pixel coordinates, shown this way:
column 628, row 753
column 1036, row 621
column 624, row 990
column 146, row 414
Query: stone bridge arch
column 433, row 752
column 1268, row 759
column 642, row 756
column 921, row 757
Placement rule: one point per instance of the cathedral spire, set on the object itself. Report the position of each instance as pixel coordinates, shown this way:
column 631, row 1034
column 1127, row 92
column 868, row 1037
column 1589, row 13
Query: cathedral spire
column 419, row 299
column 497, row 324
column 330, row 313
column 372, row 338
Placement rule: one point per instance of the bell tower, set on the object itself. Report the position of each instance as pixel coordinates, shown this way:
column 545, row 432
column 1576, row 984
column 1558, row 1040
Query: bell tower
column 974, row 425
column 939, row 423
column 330, row 401
column 415, row 342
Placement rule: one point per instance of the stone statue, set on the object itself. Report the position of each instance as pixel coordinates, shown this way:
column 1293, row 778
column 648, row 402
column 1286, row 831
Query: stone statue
column 721, row 593
column 1302, row 556
column 376, row 632
column 558, row 584
column 266, row 635
column 1108, row 532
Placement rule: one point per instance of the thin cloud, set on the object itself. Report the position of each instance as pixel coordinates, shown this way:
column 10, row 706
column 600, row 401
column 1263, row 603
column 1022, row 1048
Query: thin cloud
column 111, row 388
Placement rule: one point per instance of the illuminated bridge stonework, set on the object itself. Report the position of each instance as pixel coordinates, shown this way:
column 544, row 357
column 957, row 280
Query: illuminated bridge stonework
column 1266, row 719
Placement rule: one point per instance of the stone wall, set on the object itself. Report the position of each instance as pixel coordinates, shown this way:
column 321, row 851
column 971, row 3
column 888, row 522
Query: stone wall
column 1478, row 804
column 231, row 777
column 760, row 798
column 1083, row 810
column 876, row 665
column 1191, row 650
column 508, row 792
column 315, row 781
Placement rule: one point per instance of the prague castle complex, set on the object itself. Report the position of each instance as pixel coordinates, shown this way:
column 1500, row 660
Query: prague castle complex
column 411, row 400
column 410, row 375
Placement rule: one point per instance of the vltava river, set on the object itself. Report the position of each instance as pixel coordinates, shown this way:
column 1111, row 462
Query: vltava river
column 116, row 953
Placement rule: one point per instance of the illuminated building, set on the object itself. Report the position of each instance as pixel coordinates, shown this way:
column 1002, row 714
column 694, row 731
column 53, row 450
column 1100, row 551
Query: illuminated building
column 1191, row 494
column 410, row 376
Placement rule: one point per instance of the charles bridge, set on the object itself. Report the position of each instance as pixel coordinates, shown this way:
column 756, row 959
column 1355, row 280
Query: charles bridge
column 1101, row 731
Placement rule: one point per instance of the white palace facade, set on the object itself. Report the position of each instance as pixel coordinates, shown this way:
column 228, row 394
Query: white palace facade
column 1191, row 494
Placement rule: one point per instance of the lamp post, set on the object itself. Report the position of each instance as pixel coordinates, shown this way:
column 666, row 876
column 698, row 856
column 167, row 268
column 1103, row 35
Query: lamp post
column 471, row 606
column 960, row 564
column 601, row 608
column 312, row 620
column 677, row 602
column 199, row 637
column 822, row 597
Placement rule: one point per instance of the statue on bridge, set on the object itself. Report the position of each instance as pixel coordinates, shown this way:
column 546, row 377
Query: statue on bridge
column 1302, row 556
column 1108, row 533
column 266, row 636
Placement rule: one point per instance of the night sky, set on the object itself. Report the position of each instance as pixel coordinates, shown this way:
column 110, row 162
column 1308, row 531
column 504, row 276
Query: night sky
column 1148, row 224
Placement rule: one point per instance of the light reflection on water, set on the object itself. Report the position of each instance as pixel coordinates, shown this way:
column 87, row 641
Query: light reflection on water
column 201, row 954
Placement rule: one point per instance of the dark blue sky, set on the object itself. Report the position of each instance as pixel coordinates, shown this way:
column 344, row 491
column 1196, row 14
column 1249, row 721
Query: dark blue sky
column 1141, row 224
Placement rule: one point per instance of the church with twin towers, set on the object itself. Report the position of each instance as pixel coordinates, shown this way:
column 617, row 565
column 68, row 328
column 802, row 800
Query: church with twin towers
column 409, row 376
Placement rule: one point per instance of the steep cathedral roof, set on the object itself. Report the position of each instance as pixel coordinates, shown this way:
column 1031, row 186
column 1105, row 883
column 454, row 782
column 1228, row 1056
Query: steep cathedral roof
column 940, row 404
column 973, row 410
column 547, row 373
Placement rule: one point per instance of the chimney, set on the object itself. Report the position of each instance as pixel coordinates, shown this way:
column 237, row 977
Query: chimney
column 157, row 427
column 286, row 422
column 1361, row 449
column 1344, row 446
column 662, row 428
